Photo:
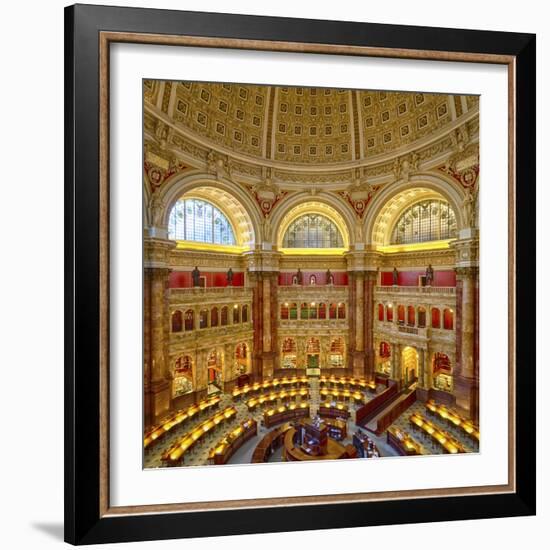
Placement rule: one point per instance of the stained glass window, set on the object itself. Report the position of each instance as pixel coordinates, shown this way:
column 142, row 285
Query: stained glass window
column 431, row 220
column 312, row 231
column 200, row 221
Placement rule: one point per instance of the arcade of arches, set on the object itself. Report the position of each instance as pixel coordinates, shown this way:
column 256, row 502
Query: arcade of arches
column 309, row 232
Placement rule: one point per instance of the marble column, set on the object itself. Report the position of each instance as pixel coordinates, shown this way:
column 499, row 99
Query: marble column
column 356, row 316
column 397, row 369
column 264, row 308
column 369, row 285
column 156, row 340
column 257, row 323
column 464, row 375
column 201, row 376
column 421, row 368
column 429, row 369
column 423, row 388
column 351, row 318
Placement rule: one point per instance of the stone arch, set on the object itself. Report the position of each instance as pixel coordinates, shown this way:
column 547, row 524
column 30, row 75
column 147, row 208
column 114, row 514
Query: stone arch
column 392, row 201
column 232, row 200
column 324, row 204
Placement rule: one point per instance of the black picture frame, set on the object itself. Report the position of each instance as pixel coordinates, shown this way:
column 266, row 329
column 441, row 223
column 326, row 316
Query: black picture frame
column 84, row 524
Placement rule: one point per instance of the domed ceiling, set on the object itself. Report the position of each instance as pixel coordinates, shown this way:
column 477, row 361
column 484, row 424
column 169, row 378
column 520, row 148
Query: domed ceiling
column 305, row 126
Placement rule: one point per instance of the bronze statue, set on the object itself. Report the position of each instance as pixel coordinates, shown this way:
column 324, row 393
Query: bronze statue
column 299, row 277
column 395, row 276
column 196, row 274
column 229, row 277
column 329, row 278
column 429, row 275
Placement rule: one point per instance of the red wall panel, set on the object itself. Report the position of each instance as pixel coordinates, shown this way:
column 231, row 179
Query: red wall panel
column 446, row 277
column 183, row 279
column 340, row 277
column 386, row 278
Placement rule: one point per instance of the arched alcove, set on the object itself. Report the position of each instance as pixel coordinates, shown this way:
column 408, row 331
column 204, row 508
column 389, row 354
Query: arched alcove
column 229, row 198
column 395, row 199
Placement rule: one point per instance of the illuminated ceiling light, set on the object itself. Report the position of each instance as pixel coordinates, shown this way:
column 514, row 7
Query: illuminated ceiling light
column 235, row 306
column 286, row 304
column 312, row 303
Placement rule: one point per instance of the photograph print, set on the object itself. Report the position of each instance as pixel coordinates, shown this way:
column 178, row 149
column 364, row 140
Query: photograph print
column 310, row 277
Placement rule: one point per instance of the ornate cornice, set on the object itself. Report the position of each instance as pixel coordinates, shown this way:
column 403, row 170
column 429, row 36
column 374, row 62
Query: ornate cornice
column 192, row 149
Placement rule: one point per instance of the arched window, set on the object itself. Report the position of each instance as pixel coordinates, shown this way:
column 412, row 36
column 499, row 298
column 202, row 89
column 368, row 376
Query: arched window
column 284, row 311
column 436, row 318
column 289, row 353
column 304, row 311
column 332, row 311
column 177, row 321
column 401, row 315
column 236, row 314
column 214, row 317
column 441, row 363
column 322, row 311
column 430, row 220
column 203, row 318
column 183, row 376
column 448, row 319
column 241, row 354
column 380, row 312
column 336, row 353
column 312, row 280
column 421, row 317
column 312, row 231
column 341, row 311
column 385, row 350
column 313, row 346
column 389, row 313
column 313, row 310
column 200, row 221
column 293, row 312
column 224, row 316
column 214, row 372
column 411, row 317
column 189, row 320
column 244, row 316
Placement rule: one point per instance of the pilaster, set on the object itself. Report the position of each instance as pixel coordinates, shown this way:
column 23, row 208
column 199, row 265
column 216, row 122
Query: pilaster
column 465, row 373
column 157, row 373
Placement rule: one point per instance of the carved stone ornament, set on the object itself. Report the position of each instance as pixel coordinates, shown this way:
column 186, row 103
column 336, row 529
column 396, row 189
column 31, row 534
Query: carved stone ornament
column 463, row 166
column 359, row 195
column 267, row 195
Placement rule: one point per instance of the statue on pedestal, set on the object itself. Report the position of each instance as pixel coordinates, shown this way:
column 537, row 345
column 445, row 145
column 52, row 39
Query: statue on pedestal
column 329, row 278
column 299, row 277
column 229, row 277
column 395, row 276
column 429, row 275
column 196, row 275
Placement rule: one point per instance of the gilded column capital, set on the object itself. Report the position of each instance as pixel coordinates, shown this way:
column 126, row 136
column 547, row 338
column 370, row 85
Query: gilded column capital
column 467, row 272
column 156, row 252
column 262, row 260
column 466, row 252
column 159, row 272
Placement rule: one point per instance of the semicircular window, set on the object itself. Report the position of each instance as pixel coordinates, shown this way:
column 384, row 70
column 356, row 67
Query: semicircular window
column 313, row 231
column 431, row 220
column 200, row 221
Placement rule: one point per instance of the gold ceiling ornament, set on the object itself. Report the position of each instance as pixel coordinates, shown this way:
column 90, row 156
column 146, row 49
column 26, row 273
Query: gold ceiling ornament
column 302, row 126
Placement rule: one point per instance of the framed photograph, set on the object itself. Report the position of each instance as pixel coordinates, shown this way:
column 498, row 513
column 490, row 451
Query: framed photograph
column 299, row 274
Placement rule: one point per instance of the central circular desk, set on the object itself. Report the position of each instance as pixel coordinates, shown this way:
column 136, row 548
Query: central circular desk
column 293, row 452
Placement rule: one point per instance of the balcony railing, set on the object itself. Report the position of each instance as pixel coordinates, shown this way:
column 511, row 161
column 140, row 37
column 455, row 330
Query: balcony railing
column 417, row 289
column 210, row 295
